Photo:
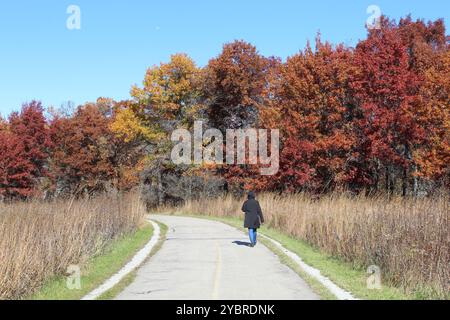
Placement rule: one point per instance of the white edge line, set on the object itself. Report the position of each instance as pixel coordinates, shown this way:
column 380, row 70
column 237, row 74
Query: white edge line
column 138, row 258
column 340, row 293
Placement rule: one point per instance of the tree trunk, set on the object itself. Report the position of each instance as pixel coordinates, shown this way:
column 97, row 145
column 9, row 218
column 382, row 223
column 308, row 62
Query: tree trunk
column 405, row 182
column 389, row 183
column 415, row 182
column 160, row 187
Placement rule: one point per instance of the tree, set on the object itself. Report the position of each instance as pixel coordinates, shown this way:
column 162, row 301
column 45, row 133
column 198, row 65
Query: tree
column 317, row 114
column 169, row 99
column 88, row 156
column 423, row 41
column 238, row 89
column 430, row 58
column 235, row 86
column 387, row 92
column 130, row 144
column 31, row 128
column 433, row 157
column 127, row 125
column 82, row 153
column 170, row 92
column 16, row 178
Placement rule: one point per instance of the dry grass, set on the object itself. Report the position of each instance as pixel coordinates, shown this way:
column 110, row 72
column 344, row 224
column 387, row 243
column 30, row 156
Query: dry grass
column 40, row 239
column 409, row 239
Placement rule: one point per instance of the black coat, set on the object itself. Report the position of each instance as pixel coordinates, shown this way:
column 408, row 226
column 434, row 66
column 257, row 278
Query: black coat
column 253, row 213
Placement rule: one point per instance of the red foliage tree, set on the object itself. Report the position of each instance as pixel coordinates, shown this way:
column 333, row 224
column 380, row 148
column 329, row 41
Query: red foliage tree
column 235, row 84
column 387, row 92
column 25, row 151
column 317, row 113
column 82, row 151
column 16, row 178
column 30, row 126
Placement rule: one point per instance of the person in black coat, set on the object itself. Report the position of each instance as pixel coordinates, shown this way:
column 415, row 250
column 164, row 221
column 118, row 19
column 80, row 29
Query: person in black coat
column 253, row 217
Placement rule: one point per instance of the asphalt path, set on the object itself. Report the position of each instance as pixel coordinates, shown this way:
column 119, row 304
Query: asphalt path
column 207, row 260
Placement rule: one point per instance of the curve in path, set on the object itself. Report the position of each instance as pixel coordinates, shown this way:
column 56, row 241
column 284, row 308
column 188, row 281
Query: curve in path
column 203, row 259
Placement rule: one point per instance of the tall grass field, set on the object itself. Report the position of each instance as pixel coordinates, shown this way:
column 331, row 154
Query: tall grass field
column 39, row 240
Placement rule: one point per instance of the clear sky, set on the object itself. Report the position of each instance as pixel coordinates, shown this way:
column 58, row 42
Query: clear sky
column 41, row 59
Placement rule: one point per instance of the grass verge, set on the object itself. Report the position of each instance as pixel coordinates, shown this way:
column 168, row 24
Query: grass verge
column 343, row 274
column 97, row 269
column 126, row 281
column 315, row 285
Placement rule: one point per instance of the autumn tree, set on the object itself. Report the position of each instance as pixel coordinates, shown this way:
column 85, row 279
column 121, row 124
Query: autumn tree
column 429, row 57
column 82, row 151
column 16, row 170
column 31, row 127
column 433, row 157
column 88, row 156
column 170, row 93
column 170, row 98
column 387, row 92
column 423, row 41
column 127, row 125
column 130, row 147
column 238, row 89
column 24, row 152
column 317, row 114
column 235, row 86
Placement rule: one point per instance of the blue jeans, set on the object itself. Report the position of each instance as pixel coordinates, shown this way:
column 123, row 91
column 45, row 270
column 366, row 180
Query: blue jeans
column 252, row 235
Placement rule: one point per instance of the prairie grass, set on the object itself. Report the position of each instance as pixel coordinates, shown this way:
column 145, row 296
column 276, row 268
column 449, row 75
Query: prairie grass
column 39, row 240
column 408, row 239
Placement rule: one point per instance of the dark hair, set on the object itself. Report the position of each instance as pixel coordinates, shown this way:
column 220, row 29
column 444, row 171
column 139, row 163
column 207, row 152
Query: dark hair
column 251, row 195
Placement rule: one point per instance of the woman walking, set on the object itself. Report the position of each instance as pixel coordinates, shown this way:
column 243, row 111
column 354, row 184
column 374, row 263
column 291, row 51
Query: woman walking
column 253, row 217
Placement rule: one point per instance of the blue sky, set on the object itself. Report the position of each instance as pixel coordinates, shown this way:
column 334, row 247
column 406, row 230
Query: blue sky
column 41, row 59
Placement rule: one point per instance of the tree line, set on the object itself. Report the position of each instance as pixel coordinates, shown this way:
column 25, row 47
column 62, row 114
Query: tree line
column 372, row 118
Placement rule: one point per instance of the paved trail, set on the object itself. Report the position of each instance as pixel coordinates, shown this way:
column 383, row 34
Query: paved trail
column 203, row 259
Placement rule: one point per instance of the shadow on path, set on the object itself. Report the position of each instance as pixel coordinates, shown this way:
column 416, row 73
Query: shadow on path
column 242, row 243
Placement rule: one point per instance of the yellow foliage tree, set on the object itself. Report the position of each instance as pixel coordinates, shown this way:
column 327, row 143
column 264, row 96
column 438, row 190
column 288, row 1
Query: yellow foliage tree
column 171, row 91
column 129, row 127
